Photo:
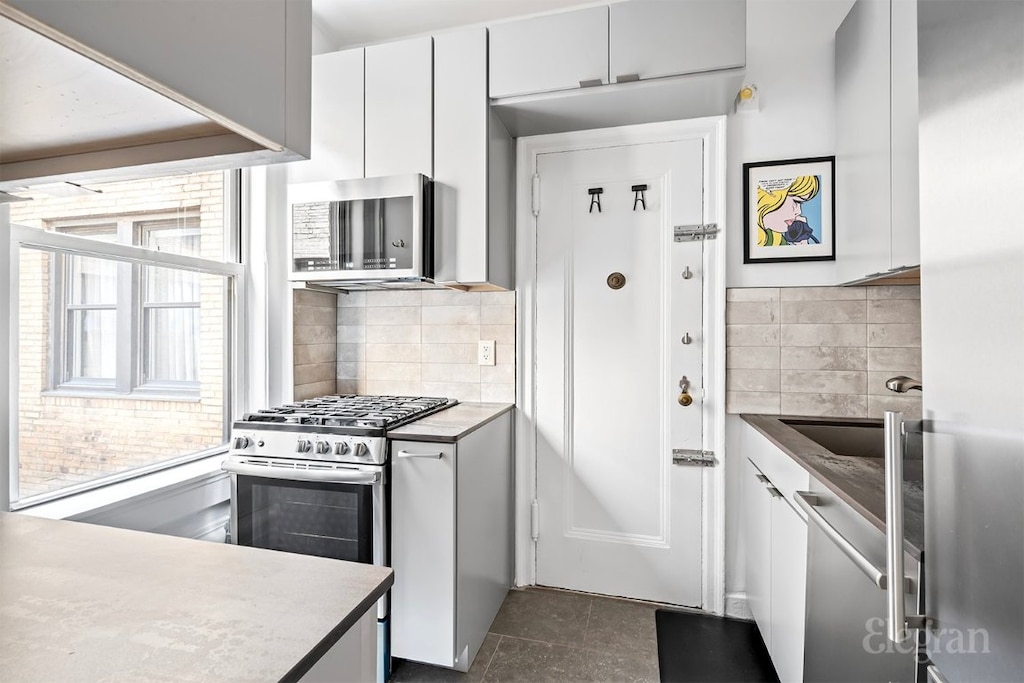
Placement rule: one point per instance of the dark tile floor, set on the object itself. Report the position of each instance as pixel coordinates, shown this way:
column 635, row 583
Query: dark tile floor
column 544, row 635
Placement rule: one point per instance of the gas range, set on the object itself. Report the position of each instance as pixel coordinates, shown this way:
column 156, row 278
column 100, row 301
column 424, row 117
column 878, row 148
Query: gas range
column 338, row 429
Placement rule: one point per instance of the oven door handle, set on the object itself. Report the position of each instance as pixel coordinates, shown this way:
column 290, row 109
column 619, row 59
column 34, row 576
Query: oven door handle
column 340, row 476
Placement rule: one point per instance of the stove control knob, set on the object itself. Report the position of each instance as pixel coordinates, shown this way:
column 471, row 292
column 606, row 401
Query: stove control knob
column 323, row 448
column 361, row 450
column 242, row 442
column 341, row 448
column 303, row 446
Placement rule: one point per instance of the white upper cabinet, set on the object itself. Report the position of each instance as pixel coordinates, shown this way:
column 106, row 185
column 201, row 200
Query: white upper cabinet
column 336, row 144
column 877, row 213
column 547, row 53
column 399, row 108
column 655, row 38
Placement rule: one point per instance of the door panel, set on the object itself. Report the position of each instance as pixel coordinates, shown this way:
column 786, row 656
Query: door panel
column 616, row 516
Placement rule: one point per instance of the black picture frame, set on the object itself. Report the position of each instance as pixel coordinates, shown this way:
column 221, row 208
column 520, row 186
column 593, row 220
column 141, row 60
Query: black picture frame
column 776, row 196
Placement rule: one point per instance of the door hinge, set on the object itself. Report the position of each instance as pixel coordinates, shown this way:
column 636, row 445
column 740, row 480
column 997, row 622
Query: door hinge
column 535, row 196
column 693, row 456
column 535, row 520
column 686, row 233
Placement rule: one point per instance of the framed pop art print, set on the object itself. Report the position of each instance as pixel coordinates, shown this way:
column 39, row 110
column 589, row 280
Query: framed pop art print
column 789, row 210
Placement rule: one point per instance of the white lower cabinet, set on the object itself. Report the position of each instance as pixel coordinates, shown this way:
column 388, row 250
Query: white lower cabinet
column 451, row 543
column 776, row 547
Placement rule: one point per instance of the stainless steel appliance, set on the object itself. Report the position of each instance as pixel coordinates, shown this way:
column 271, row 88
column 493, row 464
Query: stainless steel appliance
column 369, row 231
column 971, row 75
column 312, row 477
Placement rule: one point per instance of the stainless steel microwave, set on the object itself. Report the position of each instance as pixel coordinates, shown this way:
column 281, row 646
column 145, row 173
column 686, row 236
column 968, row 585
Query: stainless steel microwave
column 369, row 230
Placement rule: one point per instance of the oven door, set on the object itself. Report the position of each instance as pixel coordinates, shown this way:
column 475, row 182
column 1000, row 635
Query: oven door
column 324, row 509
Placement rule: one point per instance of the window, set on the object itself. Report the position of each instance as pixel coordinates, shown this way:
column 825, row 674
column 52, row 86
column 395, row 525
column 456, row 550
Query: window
column 160, row 308
column 127, row 305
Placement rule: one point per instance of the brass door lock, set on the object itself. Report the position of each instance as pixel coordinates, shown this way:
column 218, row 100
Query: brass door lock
column 684, row 396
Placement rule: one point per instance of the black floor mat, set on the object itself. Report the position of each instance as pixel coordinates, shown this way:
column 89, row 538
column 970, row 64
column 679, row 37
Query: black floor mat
column 700, row 648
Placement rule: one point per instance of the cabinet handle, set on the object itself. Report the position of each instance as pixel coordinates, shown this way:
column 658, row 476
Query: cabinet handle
column 410, row 454
column 763, row 479
column 807, row 502
column 627, row 78
column 591, row 82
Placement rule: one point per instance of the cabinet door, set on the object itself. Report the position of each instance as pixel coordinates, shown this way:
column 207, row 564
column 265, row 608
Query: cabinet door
column 757, row 532
column 399, row 108
column 423, row 552
column 863, row 172
column 652, row 38
column 788, row 589
column 553, row 52
column 336, row 141
column 906, row 206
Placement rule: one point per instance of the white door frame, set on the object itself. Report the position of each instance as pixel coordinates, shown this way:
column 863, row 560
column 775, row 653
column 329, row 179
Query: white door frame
column 712, row 131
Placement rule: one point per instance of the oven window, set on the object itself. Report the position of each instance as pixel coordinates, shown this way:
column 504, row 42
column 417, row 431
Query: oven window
column 327, row 520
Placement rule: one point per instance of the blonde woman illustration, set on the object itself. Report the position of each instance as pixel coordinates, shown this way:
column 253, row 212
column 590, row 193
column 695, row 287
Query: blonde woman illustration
column 779, row 214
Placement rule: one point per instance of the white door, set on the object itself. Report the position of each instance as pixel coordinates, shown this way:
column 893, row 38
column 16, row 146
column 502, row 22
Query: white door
column 616, row 516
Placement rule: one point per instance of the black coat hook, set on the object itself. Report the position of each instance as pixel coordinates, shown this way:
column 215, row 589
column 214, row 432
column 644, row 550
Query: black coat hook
column 595, row 198
column 638, row 196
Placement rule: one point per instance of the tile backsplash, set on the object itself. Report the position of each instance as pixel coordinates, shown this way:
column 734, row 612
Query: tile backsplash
column 425, row 343
column 822, row 350
column 315, row 335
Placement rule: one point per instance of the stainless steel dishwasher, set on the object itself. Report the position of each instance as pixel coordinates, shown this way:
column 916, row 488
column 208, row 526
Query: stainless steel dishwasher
column 846, row 600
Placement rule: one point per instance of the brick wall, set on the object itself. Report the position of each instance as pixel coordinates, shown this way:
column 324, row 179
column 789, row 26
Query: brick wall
column 64, row 439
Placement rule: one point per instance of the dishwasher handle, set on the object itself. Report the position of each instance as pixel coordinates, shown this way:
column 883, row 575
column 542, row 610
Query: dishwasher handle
column 807, row 502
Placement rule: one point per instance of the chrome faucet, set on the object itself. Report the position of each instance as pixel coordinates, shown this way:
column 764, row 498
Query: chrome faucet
column 902, row 384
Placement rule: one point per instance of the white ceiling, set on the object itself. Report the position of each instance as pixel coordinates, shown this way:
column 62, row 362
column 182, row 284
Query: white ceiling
column 346, row 23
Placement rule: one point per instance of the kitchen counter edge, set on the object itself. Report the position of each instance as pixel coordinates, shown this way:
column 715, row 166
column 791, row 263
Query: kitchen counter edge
column 451, row 424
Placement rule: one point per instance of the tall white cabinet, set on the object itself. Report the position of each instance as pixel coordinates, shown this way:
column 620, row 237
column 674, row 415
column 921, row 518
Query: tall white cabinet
column 399, row 108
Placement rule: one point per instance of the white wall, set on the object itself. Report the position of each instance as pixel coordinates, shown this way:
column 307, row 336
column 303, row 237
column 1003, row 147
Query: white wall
column 790, row 56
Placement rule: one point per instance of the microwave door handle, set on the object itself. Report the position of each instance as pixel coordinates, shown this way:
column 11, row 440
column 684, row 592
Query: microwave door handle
column 332, row 476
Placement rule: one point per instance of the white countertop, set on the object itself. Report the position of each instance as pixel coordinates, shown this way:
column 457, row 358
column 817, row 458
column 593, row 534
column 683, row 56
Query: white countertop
column 80, row 602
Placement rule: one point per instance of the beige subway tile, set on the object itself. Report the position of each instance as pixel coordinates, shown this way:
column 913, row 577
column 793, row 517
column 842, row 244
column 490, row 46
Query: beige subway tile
column 351, row 299
column 389, row 387
column 752, row 335
column 896, row 360
column 405, row 372
column 449, row 353
column 752, row 294
column 877, row 380
column 497, row 374
column 393, row 315
column 498, row 393
column 753, row 357
column 351, row 334
column 894, row 292
column 824, row 358
column 824, row 382
column 318, row 372
column 910, row 406
column 451, row 315
column 314, row 390
column 894, row 334
column 752, row 312
column 745, row 379
column 505, row 354
column 451, row 334
column 351, row 370
column 306, row 354
column 849, row 334
column 314, row 315
column 831, row 405
column 315, row 334
column 824, row 312
column 463, row 391
column 498, row 315
column 352, row 315
column 501, row 334
column 355, row 353
column 895, row 311
column 822, row 294
column 450, row 372
column 393, row 334
column 394, row 353
column 450, row 297
column 498, row 298
column 347, row 386
column 307, row 297
column 404, row 298
column 752, row 402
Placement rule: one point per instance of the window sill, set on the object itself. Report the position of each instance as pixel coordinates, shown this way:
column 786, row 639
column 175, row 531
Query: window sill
column 86, row 502
column 114, row 396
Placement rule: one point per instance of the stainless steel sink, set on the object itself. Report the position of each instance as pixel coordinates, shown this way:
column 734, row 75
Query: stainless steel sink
column 859, row 440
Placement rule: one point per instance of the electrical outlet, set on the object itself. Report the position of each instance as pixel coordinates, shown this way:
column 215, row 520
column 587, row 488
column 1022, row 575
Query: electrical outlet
column 485, row 352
